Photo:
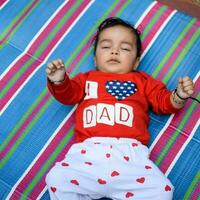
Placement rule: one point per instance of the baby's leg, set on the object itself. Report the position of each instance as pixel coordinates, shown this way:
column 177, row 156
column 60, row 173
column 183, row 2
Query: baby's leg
column 76, row 177
column 134, row 176
column 56, row 188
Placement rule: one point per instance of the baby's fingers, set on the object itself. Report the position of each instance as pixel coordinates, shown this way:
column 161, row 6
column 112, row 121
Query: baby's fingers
column 48, row 71
column 58, row 64
column 50, row 68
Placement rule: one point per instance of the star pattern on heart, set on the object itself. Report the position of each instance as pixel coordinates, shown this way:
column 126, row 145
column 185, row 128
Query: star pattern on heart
column 121, row 90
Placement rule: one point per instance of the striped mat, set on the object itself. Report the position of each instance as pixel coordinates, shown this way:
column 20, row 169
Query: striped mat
column 36, row 130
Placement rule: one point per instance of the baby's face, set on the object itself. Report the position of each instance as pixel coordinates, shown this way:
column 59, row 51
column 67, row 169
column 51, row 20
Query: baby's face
column 116, row 50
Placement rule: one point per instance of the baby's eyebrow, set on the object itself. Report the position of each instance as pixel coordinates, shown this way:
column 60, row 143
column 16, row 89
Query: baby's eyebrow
column 128, row 43
column 105, row 40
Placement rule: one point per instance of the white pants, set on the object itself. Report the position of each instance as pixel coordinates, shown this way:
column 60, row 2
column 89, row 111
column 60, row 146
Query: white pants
column 108, row 167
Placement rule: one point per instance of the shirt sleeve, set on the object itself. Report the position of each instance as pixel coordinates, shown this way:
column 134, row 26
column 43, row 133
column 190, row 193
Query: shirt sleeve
column 69, row 91
column 158, row 96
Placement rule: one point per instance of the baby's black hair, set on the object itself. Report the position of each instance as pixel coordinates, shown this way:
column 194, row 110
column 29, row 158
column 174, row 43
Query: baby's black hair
column 114, row 21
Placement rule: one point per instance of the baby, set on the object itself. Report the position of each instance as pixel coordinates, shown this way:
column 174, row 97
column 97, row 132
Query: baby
column 110, row 158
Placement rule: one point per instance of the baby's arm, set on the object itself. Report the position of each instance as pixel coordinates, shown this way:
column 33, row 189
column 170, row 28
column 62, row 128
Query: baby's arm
column 65, row 90
column 185, row 89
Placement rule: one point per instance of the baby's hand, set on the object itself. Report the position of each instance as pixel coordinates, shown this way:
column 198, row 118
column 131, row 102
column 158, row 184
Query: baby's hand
column 185, row 87
column 55, row 71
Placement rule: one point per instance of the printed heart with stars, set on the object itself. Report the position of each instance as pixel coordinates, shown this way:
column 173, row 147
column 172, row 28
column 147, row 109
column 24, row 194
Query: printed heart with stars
column 121, row 90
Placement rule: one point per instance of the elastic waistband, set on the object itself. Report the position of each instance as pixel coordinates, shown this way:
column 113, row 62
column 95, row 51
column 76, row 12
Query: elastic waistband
column 112, row 140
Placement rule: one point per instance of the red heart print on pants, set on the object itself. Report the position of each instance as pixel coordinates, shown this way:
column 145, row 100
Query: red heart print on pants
column 126, row 158
column 88, row 163
column 83, row 151
column 148, row 167
column 167, row 188
column 129, row 194
column 134, row 144
column 64, row 164
column 114, row 173
column 53, row 189
column 101, row 181
column 75, row 182
column 108, row 155
column 140, row 180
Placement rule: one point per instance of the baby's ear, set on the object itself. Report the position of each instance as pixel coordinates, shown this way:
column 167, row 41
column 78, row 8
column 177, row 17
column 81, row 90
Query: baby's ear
column 137, row 62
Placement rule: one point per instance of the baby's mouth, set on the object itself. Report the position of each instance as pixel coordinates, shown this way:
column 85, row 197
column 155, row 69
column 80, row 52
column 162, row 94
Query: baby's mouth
column 113, row 61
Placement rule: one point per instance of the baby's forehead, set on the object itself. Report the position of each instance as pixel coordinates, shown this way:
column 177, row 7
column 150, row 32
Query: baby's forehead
column 117, row 32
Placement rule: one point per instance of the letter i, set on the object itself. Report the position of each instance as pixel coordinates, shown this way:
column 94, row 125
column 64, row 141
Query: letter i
column 88, row 89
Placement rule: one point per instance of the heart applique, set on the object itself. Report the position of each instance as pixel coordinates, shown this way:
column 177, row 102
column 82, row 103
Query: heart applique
column 53, row 189
column 121, row 90
column 129, row 194
column 126, row 158
column 101, row 181
column 114, row 173
column 167, row 188
column 75, row 182
column 140, row 180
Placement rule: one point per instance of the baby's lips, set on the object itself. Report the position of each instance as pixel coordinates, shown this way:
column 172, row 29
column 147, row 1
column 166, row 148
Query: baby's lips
column 113, row 61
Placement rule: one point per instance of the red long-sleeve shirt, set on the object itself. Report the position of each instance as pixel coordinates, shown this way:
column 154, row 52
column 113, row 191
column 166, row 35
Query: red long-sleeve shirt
column 113, row 105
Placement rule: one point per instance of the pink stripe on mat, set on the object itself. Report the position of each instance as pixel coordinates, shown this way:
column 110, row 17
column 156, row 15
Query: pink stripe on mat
column 18, row 21
column 87, row 45
column 62, row 12
column 46, row 51
column 149, row 15
column 62, row 31
column 19, row 81
column 20, row 131
column 180, row 140
column 156, row 27
column 177, row 51
column 35, row 45
column 43, row 159
column 196, row 192
column 2, row 2
column 42, row 184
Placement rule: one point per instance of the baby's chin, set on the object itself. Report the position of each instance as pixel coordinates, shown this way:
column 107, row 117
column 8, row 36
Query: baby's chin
column 115, row 71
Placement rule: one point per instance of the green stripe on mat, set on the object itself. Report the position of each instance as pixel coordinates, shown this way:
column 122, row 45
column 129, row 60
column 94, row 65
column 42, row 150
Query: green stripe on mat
column 40, row 49
column 14, row 21
column 56, row 28
column 24, row 134
column 181, row 56
column 172, row 49
column 89, row 51
column 48, row 163
column 149, row 26
column 176, row 133
column 81, row 61
column 89, row 35
column 16, row 76
column 192, row 186
column 123, row 8
column 22, row 120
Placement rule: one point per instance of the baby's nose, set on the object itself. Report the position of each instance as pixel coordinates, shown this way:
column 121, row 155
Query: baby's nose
column 114, row 51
